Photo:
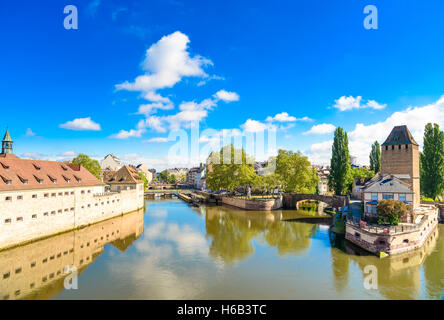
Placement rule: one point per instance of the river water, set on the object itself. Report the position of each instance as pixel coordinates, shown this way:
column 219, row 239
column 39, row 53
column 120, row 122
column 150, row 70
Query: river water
column 175, row 251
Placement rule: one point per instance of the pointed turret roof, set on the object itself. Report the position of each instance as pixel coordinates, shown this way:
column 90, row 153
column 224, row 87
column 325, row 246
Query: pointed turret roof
column 400, row 135
column 7, row 136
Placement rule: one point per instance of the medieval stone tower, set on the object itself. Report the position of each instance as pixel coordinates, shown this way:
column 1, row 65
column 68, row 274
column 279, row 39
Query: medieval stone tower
column 400, row 157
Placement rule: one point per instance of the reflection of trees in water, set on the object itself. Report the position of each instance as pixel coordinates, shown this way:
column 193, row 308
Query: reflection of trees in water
column 232, row 232
column 340, row 262
column 289, row 237
column 434, row 268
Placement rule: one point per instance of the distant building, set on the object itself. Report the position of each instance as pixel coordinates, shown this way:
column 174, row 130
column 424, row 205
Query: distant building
column 323, row 185
column 358, row 185
column 146, row 172
column 110, row 162
column 196, row 177
column 126, row 178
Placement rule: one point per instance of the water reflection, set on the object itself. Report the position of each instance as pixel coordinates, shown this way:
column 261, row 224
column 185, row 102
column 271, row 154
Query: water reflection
column 174, row 251
column 36, row 270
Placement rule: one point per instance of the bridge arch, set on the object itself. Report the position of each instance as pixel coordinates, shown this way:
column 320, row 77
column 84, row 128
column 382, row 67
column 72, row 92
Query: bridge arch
column 290, row 200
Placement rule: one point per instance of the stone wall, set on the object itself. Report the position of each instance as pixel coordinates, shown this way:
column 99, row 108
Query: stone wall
column 30, row 268
column 392, row 243
column 253, row 204
column 290, row 200
column 403, row 161
column 27, row 215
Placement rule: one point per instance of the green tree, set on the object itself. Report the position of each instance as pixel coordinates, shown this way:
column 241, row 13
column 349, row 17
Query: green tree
column 164, row 175
column 392, row 211
column 144, row 179
column 89, row 164
column 432, row 162
column 375, row 157
column 294, row 172
column 357, row 173
column 172, row 179
column 231, row 169
column 340, row 163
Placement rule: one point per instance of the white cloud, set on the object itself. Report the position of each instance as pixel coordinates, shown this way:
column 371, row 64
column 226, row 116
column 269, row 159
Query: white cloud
column 158, row 139
column 133, row 133
column 29, row 133
column 226, row 96
column 323, row 128
column 285, row 117
column 348, row 103
column 81, row 124
column 254, row 126
column 148, row 109
column 166, row 63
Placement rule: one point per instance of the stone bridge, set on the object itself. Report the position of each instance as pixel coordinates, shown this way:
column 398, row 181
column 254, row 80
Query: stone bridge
column 290, row 200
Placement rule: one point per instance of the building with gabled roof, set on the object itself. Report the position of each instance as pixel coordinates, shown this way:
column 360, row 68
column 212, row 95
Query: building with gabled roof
column 110, row 162
column 126, row 178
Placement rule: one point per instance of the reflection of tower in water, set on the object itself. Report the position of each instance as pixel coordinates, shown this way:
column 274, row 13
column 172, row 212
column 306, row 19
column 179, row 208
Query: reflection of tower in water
column 36, row 270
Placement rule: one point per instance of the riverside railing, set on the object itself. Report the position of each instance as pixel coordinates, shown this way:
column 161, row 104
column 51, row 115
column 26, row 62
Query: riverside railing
column 379, row 229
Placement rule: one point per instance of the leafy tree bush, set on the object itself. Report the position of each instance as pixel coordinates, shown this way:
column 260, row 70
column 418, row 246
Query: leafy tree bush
column 89, row 164
column 392, row 211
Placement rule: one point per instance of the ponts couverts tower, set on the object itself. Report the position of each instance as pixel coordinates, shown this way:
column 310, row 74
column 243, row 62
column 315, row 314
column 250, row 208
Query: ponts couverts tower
column 400, row 157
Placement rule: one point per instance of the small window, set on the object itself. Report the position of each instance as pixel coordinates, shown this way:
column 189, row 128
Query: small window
column 19, row 219
column 60, row 194
column 34, row 196
column 8, row 198
column 53, row 194
column 18, row 270
column 406, row 241
column 386, row 148
column 72, row 193
column 45, row 214
column 374, row 196
column 357, row 235
column 66, row 193
column 83, row 192
column 402, row 197
column 6, row 275
column 53, row 213
column 7, row 221
column 33, row 264
column 34, row 216
column 46, row 195
column 25, row 181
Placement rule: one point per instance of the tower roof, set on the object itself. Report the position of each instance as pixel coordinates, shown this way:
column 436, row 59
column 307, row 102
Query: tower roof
column 7, row 136
column 400, row 135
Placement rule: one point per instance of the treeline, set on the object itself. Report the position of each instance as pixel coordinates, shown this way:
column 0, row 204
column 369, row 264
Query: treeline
column 232, row 169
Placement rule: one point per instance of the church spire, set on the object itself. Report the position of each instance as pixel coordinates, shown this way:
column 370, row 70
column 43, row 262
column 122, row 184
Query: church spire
column 7, row 143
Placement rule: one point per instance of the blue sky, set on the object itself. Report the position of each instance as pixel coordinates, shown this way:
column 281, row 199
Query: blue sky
column 228, row 64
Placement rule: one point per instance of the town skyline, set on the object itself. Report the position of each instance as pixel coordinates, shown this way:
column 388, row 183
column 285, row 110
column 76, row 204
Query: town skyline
column 330, row 79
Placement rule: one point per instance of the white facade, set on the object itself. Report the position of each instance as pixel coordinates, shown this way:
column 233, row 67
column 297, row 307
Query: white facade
column 31, row 214
column 110, row 162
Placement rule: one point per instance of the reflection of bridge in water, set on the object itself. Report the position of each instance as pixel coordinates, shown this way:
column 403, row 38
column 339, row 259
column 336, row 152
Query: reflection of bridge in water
column 36, row 270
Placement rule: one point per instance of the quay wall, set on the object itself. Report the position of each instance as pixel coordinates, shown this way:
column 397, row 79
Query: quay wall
column 33, row 214
column 250, row 204
column 392, row 243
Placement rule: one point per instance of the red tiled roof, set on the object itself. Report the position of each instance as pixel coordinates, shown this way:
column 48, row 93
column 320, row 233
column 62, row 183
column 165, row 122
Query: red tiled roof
column 54, row 174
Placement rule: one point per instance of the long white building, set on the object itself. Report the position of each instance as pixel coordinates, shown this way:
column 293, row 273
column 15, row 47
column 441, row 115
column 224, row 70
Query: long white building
column 41, row 198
